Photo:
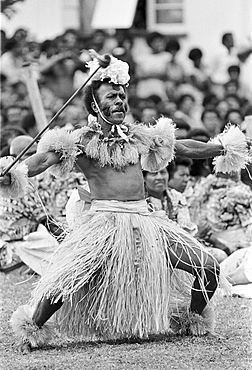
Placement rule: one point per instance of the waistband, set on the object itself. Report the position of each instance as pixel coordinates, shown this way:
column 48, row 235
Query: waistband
column 135, row 206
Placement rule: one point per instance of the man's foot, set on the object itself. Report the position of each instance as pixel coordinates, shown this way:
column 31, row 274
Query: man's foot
column 191, row 323
column 24, row 348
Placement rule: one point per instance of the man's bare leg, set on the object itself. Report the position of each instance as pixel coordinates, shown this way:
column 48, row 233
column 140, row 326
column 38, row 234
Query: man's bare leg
column 194, row 261
column 44, row 310
column 206, row 271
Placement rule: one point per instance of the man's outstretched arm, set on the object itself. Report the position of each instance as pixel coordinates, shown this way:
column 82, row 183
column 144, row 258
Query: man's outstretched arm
column 39, row 162
column 197, row 149
column 36, row 164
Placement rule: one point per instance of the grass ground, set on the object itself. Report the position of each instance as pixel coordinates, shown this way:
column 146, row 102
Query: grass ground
column 232, row 351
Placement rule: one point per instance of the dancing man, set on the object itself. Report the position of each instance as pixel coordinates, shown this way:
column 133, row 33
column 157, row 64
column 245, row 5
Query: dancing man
column 122, row 272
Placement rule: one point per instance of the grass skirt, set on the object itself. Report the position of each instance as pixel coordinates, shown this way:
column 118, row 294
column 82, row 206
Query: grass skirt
column 114, row 273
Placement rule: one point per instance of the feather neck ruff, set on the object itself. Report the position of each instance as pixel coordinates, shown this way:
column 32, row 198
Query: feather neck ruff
column 117, row 151
column 125, row 145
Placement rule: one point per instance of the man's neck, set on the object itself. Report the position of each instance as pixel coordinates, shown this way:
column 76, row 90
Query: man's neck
column 106, row 127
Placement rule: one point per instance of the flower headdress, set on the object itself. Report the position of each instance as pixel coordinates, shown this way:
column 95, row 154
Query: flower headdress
column 117, row 71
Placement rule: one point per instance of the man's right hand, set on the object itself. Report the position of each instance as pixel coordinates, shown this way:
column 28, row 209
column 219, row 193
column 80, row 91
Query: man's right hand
column 5, row 180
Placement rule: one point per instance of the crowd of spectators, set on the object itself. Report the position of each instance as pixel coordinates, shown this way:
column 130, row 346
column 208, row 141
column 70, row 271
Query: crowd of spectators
column 189, row 89
column 200, row 96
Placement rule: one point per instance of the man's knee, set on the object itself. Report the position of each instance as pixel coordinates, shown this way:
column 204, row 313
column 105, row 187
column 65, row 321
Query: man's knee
column 212, row 270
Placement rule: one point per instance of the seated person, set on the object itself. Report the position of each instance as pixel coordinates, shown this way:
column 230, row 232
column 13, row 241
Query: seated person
column 238, row 270
column 225, row 203
column 161, row 197
column 24, row 220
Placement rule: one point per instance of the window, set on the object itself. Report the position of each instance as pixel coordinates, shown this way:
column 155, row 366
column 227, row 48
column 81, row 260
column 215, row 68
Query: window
column 166, row 16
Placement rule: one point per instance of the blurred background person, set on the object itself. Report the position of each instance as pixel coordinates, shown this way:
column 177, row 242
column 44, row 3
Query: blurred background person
column 188, row 110
column 20, row 218
column 229, row 54
column 197, row 72
column 149, row 115
column 179, row 173
column 12, row 60
column 151, row 70
column 212, row 122
column 160, row 197
column 7, row 134
column 234, row 116
column 225, row 203
column 238, row 270
column 175, row 67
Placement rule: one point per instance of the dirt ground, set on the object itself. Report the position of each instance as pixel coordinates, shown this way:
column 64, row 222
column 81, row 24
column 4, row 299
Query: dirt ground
column 231, row 350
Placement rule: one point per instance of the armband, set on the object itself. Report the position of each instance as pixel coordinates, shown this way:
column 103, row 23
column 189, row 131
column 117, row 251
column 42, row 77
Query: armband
column 66, row 143
column 162, row 150
column 235, row 154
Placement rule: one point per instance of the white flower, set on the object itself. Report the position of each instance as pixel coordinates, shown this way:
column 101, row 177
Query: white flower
column 117, row 71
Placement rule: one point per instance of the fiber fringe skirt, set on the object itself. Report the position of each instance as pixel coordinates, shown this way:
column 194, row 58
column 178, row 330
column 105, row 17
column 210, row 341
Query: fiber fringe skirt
column 114, row 273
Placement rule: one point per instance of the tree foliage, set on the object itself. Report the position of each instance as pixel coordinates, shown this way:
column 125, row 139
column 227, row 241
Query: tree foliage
column 8, row 7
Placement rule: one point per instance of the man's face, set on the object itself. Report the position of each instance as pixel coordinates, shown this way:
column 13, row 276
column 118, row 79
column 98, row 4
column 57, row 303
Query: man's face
column 180, row 178
column 157, row 182
column 112, row 100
